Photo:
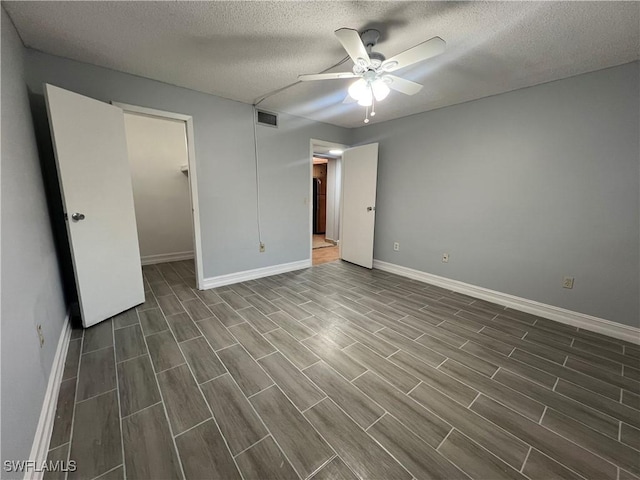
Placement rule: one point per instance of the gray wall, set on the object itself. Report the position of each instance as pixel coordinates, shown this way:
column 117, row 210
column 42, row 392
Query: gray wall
column 521, row 189
column 31, row 285
column 225, row 162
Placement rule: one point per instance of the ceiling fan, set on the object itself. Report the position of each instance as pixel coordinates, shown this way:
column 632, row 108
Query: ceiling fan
column 373, row 70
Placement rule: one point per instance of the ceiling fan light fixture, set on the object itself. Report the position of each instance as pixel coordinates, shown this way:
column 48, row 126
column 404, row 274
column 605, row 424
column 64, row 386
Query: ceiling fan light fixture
column 358, row 89
column 380, row 89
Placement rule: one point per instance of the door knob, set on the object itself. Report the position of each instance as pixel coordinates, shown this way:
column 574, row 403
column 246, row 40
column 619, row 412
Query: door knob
column 370, row 209
column 77, row 217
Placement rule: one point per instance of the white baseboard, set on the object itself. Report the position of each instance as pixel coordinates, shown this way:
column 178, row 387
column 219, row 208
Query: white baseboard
column 42, row 437
column 166, row 257
column 562, row 315
column 231, row 278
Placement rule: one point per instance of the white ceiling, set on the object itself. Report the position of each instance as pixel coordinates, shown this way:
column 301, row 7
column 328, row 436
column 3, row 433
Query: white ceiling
column 243, row 50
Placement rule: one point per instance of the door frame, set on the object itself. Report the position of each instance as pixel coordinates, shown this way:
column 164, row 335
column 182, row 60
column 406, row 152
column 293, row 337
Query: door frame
column 193, row 179
column 321, row 143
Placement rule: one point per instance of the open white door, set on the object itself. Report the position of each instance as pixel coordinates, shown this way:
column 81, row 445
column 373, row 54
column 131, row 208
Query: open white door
column 358, row 219
column 91, row 157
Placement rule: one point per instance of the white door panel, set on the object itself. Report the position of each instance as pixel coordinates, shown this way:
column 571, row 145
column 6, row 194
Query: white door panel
column 95, row 180
column 359, row 177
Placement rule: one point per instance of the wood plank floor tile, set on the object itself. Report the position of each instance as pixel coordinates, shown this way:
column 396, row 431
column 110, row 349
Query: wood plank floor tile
column 59, row 454
column 184, row 292
column 410, row 413
column 363, row 410
column 449, row 385
column 357, row 319
column 196, row 309
column 262, row 304
column 152, row 321
column 72, row 361
column 474, row 460
column 291, row 308
column 97, row 373
column 290, row 325
column 126, row 318
column 602, row 445
column 227, row 315
column 541, row 467
column 149, row 450
column 251, row 340
column 234, row 300
column 393, row 374
column 630, row 436
column 575, row 409
column 604, row 375
column 97, row 337
column 244, row 369
column 265, row 460
column 512, row 365
column 202, row 359
column 257, row 319
column 204, row 454
column 182, row 398
column 549, row 443
column 303, row 446
column 291, row 381
column 64, row 414
column 183, row 327
column 599, row 403
column 236, row 418
column 420, row 459
column 216, row 333
column 96, row 444
column 336, row 469
column 586, row 381
column 397, row 327
column 164, row 351
column 500, row 443
column 296, row 352
column 631, row 399
column 137, row 385
column 129, row 343
column 419, row 351
column 369, row 340
column 510, row 397
column 488, row 388
column 170, row 305
column 331, row 353
column 460, row 356
column 358, row 450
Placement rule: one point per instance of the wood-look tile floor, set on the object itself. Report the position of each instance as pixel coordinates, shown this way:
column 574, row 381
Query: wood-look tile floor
column 341, row 372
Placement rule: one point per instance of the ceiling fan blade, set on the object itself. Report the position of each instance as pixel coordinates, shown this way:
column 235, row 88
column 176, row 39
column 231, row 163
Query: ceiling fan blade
column 350, row 40
column 403, row 86
column 423, row 51
column 326, row 76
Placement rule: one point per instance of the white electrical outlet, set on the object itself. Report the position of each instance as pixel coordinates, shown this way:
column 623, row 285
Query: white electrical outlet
column 396, row 246
column 445, row 258
column 262, row 248
column 567, row 282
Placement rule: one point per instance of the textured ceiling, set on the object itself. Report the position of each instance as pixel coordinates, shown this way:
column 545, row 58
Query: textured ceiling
column 243, row 50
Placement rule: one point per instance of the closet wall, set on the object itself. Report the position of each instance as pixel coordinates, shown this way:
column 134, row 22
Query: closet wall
column 158, row 153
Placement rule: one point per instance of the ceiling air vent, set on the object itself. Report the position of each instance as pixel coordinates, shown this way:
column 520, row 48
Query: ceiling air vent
column 268, row 119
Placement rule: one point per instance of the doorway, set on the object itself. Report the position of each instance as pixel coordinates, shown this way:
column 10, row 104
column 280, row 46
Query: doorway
column 163, row 182
column 326, row 183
